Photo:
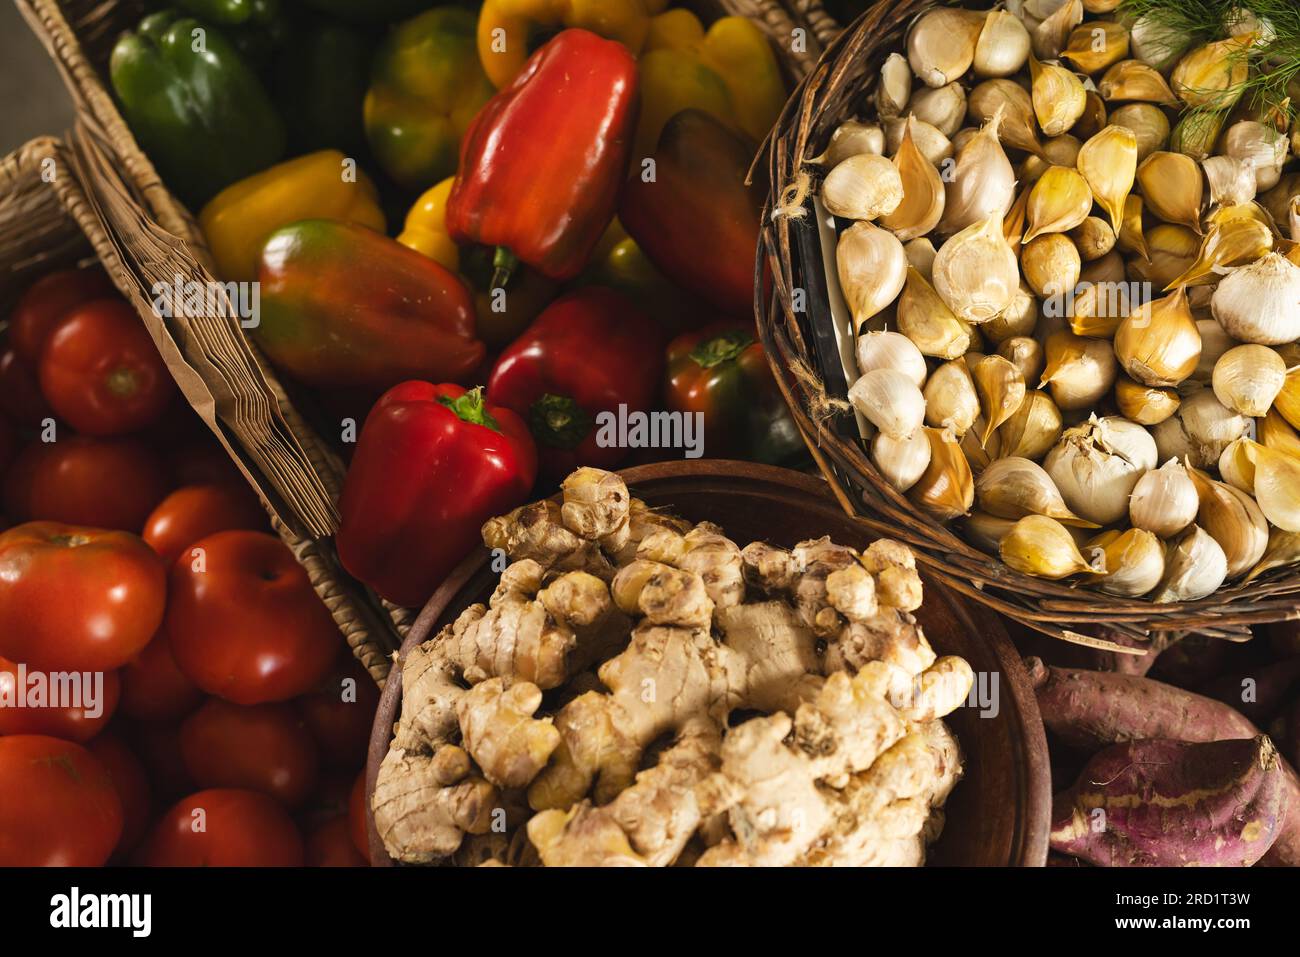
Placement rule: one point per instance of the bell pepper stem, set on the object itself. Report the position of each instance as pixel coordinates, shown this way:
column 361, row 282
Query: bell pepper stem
column 471, row 408
column 558, row 422
column 504, row 263
column 721, row 348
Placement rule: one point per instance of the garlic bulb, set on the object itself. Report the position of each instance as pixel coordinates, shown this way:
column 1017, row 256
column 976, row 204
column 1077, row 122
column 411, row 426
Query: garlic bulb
column 1145, row 404
column 1277, row 487
column 894, row 88
column 1133, row 80
column 1171, row 251
column 1158, row 343
column 1003, row 45
column 1233, row 519
column 1164, row 500
column 1041, row 546
column 1171, row 184
column 1026, row 354
column 1260, row 302
column 901, row 461
column 941, row 44
column 923, row 192
column 1135, row 562
column 1051, row 265
column 1058, row 97
column 950, row 398
column 1233, row 239
column 1079, row 371
column 1147, row 123
column 1001, row 390
column 1014, row 487
column 862, row 187
column 926, row 320
column 943, row 107
column 982, row 184
column 872, row 269
column 1108, row 162
column 1195, row 566
column 1018, row 129
column 1260, row 145
column 1059, row 201
column 1097, row 464
column 946, row 489
column 849, row 139
column 976, row 273
column 1232, row 181
column 1200, row 430
column 1212, row 76
column 1033, row 430
column 891, row 350
column 890, row 401
column 1248, row 378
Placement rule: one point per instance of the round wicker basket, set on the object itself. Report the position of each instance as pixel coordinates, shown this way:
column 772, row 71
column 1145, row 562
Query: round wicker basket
column 790, row 259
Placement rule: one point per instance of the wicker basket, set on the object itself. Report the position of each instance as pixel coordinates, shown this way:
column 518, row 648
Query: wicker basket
column 837, row 89
column 48, row 220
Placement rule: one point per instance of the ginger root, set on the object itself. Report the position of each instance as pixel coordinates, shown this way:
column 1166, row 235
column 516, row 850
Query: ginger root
column 707, row 704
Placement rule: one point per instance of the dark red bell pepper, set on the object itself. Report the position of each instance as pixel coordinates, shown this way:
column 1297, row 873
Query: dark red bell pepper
column 433, row 463
column 588, row 352
column 541, row 165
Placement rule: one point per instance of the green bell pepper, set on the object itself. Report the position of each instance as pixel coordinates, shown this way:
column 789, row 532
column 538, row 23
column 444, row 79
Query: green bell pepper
column 231, row 12
column 196, row 107
column 320, row 85
column 427, row 86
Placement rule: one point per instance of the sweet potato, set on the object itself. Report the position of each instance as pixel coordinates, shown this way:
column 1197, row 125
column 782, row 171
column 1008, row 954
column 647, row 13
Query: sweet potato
column 1193, row 660
column 1163, row 803
column 1092, row 709
column 1260, row 692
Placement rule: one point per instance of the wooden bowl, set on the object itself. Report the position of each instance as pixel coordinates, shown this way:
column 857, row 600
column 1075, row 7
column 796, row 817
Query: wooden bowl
column 998, row 814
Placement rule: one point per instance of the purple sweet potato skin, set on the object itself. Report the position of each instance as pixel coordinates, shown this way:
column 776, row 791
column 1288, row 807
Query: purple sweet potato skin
column 1174, row 804
column 1091, row 709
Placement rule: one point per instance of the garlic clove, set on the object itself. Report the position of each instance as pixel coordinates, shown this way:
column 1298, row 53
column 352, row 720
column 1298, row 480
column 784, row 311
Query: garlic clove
column 1149, row 125
column 1096, row 45
column 976, row 273
column 1133, row 80
column 1158, row 343
column 1033, row 430
column 1002, row 48
column 1018, row 128
column 1277, row 487
column 1196, row 134
column 1164, row 500
column 1258, row 303
column 1017, row 220
column 986, row 531
column 1094, row 118
column 1155, row 44
column 1283, row 551
column 1212, row 76
column 933, row 145
column 1079, row 371
column 979, row 456
column 946, row 490
column 941, row 44
column 1260, row 145
column 891, row 350
column 865, row 186
column 982, row 183
column 1093, row 238
column 1275, row 433
column 894, row 88
column 1041, row 546
column 1195, row 567
column 1051, row 265
column 1131, row 238
column 920, row 256
column 849, row 139
column 1058, row 97
column 1171, row 185
column 1135, row 562
column 1200, row 430
column 872, row 269
column 1214, row 343
column 950, row 398
column 1232, row 181
column 1108, row 163
column 1237, row 465
column 944, row 107
column 1059, row 201
column 901, row 461
column 923, row 192
column 1248, row 378
column 1228, row 242
column 1145, row 404
column 1026, row 354
column 1050, row 37
column 1096, row 465
column 1013, row 487
column 926, row 320
column 1171, row 251
column 1233, row 519
column 1001, row 390
column 1098, row 309
column 890, row 401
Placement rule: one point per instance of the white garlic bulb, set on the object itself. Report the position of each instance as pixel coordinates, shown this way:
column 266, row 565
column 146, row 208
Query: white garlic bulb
column 1260, row 145
column 1097, row 464
column 891, row 350
column 890, row 401
column 1164, row 500
column 1248, row 378
column 863, row 187
column 943, row 107
column 901, row 461
column 1199, row 430
column 976, row 273
column 1260, row 302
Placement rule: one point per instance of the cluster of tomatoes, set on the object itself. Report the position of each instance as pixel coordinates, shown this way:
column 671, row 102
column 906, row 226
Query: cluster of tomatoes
column 172, row 690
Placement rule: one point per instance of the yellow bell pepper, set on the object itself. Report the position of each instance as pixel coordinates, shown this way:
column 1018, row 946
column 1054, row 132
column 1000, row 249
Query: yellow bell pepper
column 238, row 219
column 501, row 315
column 729, row 72
column 509, row 30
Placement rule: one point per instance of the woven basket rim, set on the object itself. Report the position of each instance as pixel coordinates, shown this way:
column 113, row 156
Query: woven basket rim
column 1054, row 608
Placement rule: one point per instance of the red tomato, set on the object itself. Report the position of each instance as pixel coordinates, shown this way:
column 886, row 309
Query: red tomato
column 262, row 747
column 159, row 748
column 8, row 444
column 58, row 807
column 328, row 801
column 77, row 599
column 104, row 483
column 78, row 724
column 197, row 511
column 330, row 845
column 20, row 393
column 132, row 786
column 340, row 713
column 101, row 373
column 48, row 300
column 357, row 816
column 224, row 827
column 153, row 688
column 244, row 622
column 201, row 463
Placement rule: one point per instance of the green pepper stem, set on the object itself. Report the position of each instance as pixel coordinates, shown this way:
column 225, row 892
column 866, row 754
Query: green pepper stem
column 722, row 348
column 558, row 422
column 504, row 263
column 471, row 408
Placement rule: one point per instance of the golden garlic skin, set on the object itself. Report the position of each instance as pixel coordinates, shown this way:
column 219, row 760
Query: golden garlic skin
column 1013, row 487
column 923, row 191
column 1058, row 96
column 1096, row 45
column 1158, row 343
column 1033, row 430
column 1171, row 184
column 1145, row 404
column 1018, row 128
column 1079, row 370
column 1001, row 390
column 1277, row 487
column 946, row 489
column 1212, row 76
column 1051, row 265
column 1135, row 562
column 1041, row 546
column 1108, row 162
column 1234, row 520
column 1148, row 124
column 928, row 322
column 1133, row 80
column 1059, row 201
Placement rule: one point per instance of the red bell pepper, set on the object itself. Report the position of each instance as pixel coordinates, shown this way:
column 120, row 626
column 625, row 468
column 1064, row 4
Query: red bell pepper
column 433, row 463
column 541, row 165
column 588, row 352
